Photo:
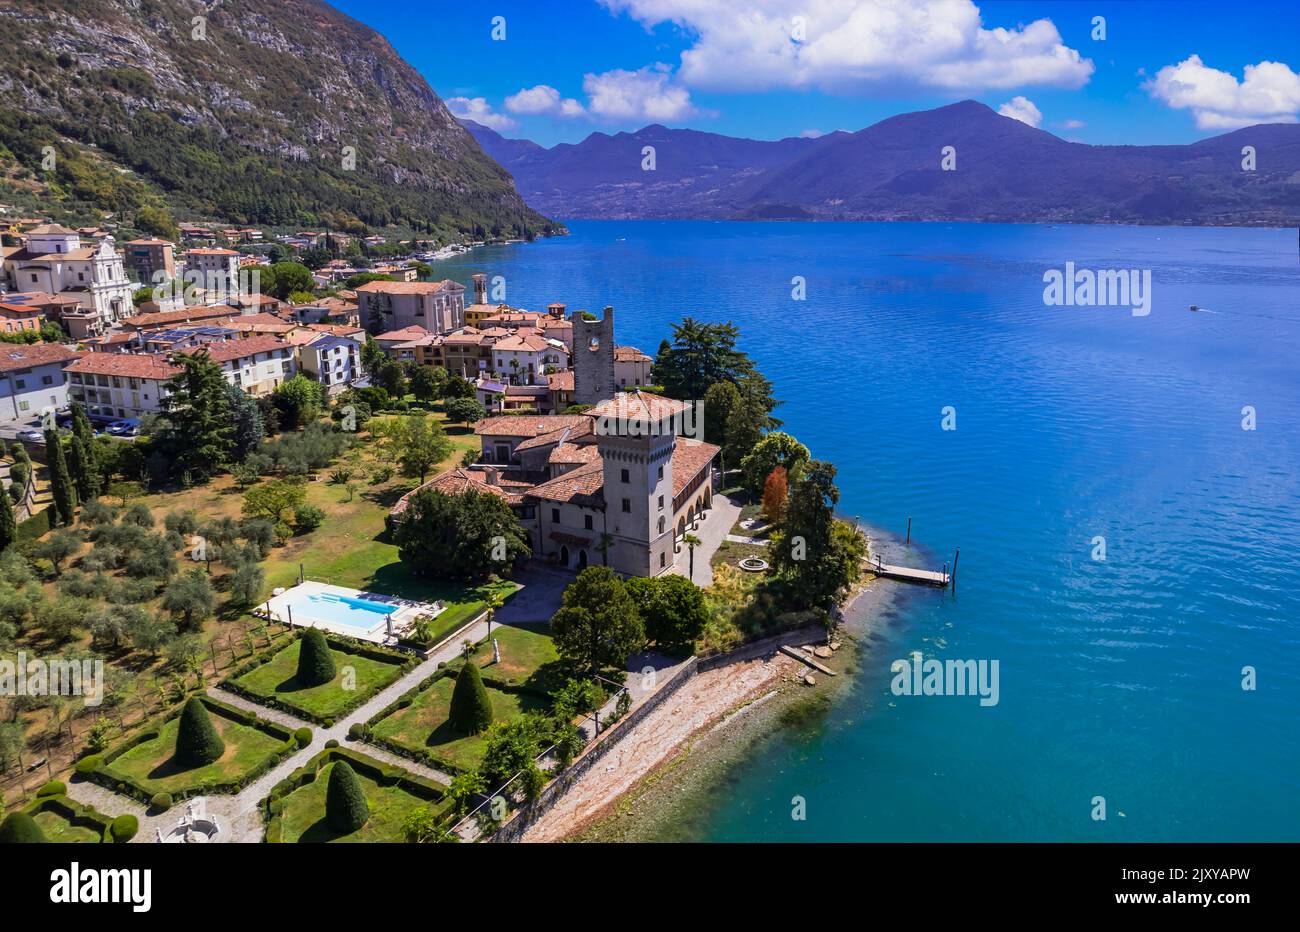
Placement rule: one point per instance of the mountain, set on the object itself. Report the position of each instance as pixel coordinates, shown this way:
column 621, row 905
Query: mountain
column 696, row 174
column 1005, row 171
column 239, row 110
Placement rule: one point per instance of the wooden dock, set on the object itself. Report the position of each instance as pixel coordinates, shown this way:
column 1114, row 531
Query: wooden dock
column 908, row 574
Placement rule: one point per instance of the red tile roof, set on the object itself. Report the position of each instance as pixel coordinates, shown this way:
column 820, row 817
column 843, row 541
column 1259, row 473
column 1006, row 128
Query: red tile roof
column 129, row 365
column 560, row 381
column 408, row 287
column 229, row 350
column 529, row 425
column 689, row 457
column 582, row 486
column 455, row 482
column 14, row 356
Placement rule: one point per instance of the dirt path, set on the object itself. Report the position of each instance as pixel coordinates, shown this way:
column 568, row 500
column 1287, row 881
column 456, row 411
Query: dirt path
column 707, row 698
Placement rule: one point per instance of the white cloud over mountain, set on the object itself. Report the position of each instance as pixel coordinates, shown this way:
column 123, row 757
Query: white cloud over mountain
column 543, row 99
column 1269, row 92
column 1022, row 109
column 852, row 45
column 480, row 111
column 649, row 93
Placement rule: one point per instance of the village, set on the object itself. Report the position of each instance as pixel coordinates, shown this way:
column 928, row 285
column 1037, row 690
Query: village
column 380, row 478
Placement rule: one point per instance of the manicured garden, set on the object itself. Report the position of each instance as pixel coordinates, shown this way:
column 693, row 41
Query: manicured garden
column 422, row 730
column 303, row 807
column 528, row 658
column 169, row 762
column 359, row 673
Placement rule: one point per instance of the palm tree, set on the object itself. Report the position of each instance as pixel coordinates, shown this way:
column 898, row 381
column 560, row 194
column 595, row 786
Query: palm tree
column 691, row 541
column 606, row 541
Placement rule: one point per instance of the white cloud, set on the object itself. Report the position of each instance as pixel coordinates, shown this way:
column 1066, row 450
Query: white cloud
column 1268, row 93
column 543, row 99
column 1022, row 109
column 855, row 45
column 812, row 134
column 646, row 94
column 1072, row 124
column 478, row 110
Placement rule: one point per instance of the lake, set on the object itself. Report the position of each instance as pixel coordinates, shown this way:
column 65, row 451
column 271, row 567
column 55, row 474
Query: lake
column 1120, row 678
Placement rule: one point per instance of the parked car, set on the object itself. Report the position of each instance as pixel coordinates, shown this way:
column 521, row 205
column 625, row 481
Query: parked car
column 31, row 435
column 129, row 427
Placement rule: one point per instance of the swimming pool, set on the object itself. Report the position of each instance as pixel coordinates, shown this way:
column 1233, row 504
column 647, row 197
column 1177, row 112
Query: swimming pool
column 350, row 611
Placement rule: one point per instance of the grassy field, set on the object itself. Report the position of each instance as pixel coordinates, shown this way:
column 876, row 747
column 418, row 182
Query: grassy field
column 276, row 679
column 303, row 816
column 422, row 726
column 528, row 658
column 150, row 764
column 59, row 830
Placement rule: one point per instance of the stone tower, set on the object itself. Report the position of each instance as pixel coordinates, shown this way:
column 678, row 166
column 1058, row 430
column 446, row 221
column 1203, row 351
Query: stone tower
column 480, row 288
column 593, row 358
column 634, row 434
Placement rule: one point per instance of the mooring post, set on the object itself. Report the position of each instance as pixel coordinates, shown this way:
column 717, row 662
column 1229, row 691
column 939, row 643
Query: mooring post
column 955, row 557
column 909, row 529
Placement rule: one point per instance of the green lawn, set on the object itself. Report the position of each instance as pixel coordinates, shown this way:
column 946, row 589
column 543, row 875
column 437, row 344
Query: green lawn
column 422, row 726
column 276, row 679
column 303, row 816
column 59, row 830
column 528, row 658
column 149, row 764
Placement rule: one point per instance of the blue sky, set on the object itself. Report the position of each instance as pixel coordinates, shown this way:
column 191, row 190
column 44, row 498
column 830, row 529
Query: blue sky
column 1166, row 72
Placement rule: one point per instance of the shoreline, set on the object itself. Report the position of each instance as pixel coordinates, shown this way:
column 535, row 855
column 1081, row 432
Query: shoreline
column 658, row 781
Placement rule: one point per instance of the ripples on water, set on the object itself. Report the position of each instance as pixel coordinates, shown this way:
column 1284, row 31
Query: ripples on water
column 1119, row 679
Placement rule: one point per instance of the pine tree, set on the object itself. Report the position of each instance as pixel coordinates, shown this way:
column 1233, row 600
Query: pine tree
column 197, row 741
column 61, row 486
column 81, row 429
column 8, row 526
column 346, row 809
column 471, row 710
column 197, row 429
column 20, row 828
column 315, row 663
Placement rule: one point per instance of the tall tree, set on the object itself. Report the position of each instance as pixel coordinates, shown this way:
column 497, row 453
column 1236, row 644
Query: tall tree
column 82, row 469
column 700, row 356
column 816, row 557
column 246, row 418
column 417, row 444
column 299, row 401
column 467, row 536
column 775, row 490
column 82, row 429
column 8, row 526
column 196, row 430
column 61, row 485
column 775, row 449
column 719, row 401
column 598, row 625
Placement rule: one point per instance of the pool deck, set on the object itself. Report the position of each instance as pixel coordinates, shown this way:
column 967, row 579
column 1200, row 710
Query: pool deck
column 293, row 608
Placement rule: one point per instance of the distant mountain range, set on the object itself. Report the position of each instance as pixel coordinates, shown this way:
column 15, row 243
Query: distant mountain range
column 1005, row 171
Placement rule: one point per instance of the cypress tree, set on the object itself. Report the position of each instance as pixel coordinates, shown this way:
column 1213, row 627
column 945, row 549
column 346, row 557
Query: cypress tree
column 61, row 487
column 79, row 468
column 81, row 429
column 315, row 663
column 8, row 526
column 197, row 741
column 346, row 809
column 19, row 828
column 471, row 710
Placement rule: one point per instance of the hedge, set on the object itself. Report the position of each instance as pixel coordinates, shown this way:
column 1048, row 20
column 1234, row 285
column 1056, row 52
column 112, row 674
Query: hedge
column 74, row 812
column 123, row 828
column 272, row 806
column 53, row 788
column 343, row 644
column 35, row 527
column 104, row 775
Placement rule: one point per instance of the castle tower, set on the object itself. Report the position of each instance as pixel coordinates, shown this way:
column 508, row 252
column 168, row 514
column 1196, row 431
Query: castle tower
column 480, row 288
column 635, row 436
column 592, row 359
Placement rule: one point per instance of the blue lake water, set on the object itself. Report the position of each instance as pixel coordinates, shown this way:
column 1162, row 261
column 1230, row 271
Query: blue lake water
column 1121, row 678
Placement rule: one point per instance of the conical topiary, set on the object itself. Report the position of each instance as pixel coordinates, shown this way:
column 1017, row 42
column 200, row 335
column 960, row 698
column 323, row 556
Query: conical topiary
column 19, row 828
column 197, row 741
column 471, row 709
column 315, row 663
column 345, row 805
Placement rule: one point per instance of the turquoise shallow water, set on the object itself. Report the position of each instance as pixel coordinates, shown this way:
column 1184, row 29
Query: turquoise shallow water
column 1119, row 678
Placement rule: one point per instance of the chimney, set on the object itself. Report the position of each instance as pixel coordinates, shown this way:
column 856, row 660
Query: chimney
column 480, row 288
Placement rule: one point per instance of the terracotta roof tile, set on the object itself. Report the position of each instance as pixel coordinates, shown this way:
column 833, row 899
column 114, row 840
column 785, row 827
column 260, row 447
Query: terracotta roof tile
column 14, row 356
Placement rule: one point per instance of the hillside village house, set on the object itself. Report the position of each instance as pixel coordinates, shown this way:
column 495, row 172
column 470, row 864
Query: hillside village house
column 149, row 257
column 256, row 364
column 19, row 316
column 54, row 261
column 438, row 307
column 332, row 360
column 631, row 367
column 524, row 358
column 219, row 268
column 32, row 379
column 118, row 385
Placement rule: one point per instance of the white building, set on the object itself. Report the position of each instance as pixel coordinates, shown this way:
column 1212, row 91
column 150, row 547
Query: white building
column 525, row 357
column 32, row 379
column 119, row 385
column 54, row 261
column 438, row 307
column 217, row 269
column 333, row 361
column 258, row 365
